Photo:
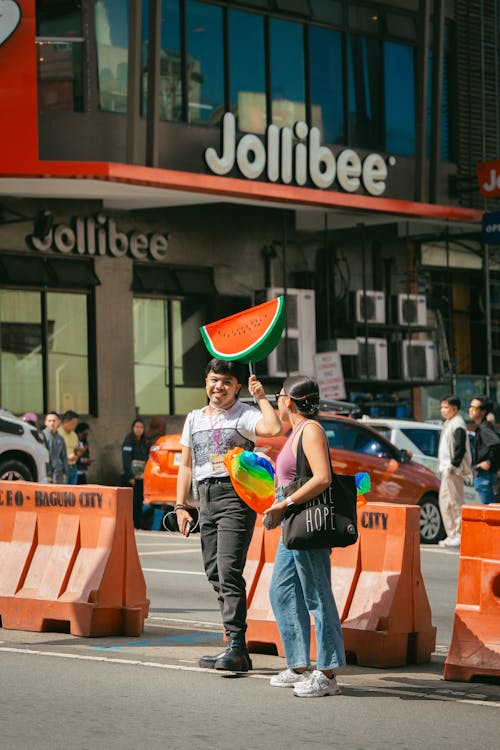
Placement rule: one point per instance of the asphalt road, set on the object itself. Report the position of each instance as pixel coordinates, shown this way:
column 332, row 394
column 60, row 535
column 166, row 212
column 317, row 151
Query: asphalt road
column 59, row 691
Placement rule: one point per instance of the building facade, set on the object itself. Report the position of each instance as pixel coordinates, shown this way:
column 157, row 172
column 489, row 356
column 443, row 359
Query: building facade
column 166, row 163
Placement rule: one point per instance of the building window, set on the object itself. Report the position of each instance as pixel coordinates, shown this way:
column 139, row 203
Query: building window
column 204, row 63
column 44, row 332
column 366, row 93
column 111, row 24
column 170, row 60
column 169, row 357
column 399, row 79
column 327, row 83
column 60, row 46
column 247, row 82
column 287, row 73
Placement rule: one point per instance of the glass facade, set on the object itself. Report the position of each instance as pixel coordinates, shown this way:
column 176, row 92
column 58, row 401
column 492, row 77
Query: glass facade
column 204, row 63
column 111, row 25
column 169, row 357
column 60, row 53
column 287, row 73
column 348, row 68
column 38, row 326
column 247, row 82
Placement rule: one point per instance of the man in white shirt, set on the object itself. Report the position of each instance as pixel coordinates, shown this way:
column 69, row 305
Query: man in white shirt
column 226, row 522
column 455, row 465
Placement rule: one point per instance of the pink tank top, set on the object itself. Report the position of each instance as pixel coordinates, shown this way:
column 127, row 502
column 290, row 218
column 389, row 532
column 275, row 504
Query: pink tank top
column 286, row 462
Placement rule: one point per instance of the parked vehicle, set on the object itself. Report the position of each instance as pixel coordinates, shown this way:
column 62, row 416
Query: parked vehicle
column 354, row 447
column 23, row 453
column 421, row 440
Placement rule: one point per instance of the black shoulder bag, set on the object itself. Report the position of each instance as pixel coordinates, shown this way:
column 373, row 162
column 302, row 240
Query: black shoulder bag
column 328, row 520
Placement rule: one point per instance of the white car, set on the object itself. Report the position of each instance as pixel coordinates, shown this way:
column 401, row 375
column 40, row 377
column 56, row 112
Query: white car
column 420, row 439
column 23, row 453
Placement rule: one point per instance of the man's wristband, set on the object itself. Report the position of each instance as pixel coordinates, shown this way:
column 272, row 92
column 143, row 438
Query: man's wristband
column 180, row 507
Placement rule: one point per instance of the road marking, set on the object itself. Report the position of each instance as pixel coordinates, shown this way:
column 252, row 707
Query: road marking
column 167, row 552
column 169, row 570
column 184, row 668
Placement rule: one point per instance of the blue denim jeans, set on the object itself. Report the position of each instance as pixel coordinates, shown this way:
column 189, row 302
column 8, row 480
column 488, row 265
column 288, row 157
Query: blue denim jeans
column 484, row 483
column 71, row 475
column 301, row 584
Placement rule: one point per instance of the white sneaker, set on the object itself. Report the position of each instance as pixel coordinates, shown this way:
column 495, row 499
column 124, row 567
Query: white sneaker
column 288, row 678
column 316, row 686
column 453, row 541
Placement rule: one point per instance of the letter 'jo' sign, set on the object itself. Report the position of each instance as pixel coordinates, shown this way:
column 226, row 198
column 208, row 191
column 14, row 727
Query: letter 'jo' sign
column 10, row 15
column 488, row 175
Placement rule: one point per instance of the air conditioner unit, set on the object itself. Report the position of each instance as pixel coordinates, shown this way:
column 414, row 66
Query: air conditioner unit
column 369, row 306
column 297, row 346
column 419, row 360
column 412, row 309
column 372, row 359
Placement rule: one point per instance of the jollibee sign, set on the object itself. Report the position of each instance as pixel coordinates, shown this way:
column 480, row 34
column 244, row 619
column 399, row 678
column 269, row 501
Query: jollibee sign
column 488, row 175
column 294, row 155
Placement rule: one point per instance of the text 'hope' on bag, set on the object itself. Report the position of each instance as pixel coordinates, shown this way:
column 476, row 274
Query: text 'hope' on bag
column 328, row 520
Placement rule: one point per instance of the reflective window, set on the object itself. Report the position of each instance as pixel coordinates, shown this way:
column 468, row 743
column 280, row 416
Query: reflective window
column 169, row 357
column 27, row 329
column 170, row 60
column 21, row 351
column 366, row 96
column 58, row 18
column 350, row 437
column 60, row 76
column 248, row 82
column 327, row 100
column 111, row 23
column 68, row 386
column 205, row 62
column 60, row 56
column 426, row 440
column 287, row 72
column 399, row 78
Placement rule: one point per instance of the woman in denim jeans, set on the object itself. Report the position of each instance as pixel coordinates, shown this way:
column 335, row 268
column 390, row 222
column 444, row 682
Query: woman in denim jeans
column 301, row 581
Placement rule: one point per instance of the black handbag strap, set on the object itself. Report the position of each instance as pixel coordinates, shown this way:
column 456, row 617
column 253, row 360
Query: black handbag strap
column 303, row 469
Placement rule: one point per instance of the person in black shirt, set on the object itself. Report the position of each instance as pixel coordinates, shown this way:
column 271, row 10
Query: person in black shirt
column 486, row 449
column 135, row 451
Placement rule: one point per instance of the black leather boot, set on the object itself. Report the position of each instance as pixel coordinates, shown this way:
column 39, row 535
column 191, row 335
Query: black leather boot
column 236, row 657
column 208, row 662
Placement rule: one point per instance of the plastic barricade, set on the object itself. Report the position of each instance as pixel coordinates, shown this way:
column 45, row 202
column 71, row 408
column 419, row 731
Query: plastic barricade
column 69, row 561
column 475, row 643
column 378, row 589
column 389, row 619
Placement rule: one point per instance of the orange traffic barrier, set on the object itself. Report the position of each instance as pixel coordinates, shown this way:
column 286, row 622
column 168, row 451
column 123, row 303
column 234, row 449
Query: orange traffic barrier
column 389, row 619
column 69, row 561
column 475, row 643
column 378, row 589
column 262, row 629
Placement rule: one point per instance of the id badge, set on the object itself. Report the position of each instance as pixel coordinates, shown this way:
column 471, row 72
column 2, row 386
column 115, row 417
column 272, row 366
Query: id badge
column 217, row 463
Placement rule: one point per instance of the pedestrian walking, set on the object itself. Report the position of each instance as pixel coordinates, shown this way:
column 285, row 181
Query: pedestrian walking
column 58, row 464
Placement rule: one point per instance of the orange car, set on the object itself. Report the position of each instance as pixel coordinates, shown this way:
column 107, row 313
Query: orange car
column 354, row 447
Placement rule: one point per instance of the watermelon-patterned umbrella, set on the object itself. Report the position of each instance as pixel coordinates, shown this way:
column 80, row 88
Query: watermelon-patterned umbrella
column 247, row 336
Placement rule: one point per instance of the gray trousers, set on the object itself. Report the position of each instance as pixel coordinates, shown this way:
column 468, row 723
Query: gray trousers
column 226, row 528
column 451, row 499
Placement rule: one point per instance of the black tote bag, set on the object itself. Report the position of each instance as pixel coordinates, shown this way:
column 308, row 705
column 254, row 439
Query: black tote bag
column 328, row 520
